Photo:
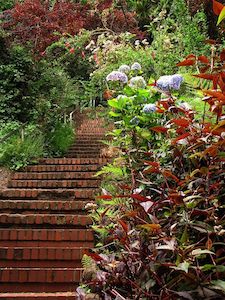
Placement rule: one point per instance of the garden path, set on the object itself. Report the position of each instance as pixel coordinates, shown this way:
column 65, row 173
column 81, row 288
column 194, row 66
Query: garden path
column 43, row 225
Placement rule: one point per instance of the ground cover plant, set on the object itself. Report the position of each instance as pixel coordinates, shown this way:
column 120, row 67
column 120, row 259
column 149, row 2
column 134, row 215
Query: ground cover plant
column 160, row 223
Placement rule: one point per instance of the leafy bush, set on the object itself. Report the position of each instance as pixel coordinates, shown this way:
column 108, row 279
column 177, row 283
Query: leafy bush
column 16, row 153
column 61, row 138
column 161, row 235
column 175, row 34
column 46, row 19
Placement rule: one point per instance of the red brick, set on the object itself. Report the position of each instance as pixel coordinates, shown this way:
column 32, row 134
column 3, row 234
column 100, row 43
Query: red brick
column 43, row 235
column 23, row 276
column 13, row 234
column 26, row 253
column 38, row 220
column 34, row 253
column 58, row 235
column 14, row 275
column 10, row 253
column 49, row 277
column 43, row 253
column 5, row 275
column 51, row 254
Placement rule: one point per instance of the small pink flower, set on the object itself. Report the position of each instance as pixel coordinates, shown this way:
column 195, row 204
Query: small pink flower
column 72, row 50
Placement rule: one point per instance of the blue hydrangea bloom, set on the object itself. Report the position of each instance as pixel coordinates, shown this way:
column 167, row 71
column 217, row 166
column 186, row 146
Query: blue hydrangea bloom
column 168, row 82
column 149, row 108
column 137, row 82
column 124, row 69
column 117, row 76
column 136, row 67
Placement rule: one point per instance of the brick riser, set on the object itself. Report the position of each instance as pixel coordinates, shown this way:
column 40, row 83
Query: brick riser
column 43, row 225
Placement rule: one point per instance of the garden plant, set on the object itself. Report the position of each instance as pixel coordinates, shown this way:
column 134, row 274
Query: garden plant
column 160, row 219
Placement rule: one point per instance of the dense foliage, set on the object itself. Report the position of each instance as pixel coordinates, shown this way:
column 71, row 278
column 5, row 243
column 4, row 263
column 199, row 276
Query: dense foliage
column 160, row 221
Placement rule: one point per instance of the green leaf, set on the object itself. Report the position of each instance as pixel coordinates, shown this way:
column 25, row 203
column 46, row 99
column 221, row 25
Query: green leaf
column 221, row 16
column 114, row 114
column 184, row 266
column 146, row 134
column 198, row 252
column 114, row 103
column 220, row 284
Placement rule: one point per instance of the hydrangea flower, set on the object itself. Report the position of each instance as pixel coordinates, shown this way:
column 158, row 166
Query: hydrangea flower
column 124, row 69
column 135, row 121
column 136, row 67
column 149, row 108
column 168, row 82
column 117, row 76
column 137, row 82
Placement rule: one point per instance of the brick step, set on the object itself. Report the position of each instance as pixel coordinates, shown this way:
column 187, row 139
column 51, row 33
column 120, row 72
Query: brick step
column 40, row 275
column 75, row 155
column 42, row 205
column 66, row 184
column 42, row 253
column 40, row 264
column 38, row 236
column 84, row 151
column 88, row 147
column 61, row 168
column 40, row 296
column 88, row 143
column 52, row 175
column 45, row 219
column 49, row 235
column 37, row 287
column 74, row 161
column 55, row 244
column 48, row 193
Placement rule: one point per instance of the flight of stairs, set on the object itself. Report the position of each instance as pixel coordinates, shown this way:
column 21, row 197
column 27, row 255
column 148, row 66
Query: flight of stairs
column 43, row 225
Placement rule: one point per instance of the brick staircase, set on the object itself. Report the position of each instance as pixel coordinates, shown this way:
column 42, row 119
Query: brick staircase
column 43, row 226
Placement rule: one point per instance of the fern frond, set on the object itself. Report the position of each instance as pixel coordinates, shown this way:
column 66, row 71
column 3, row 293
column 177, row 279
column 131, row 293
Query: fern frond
column 87, row 262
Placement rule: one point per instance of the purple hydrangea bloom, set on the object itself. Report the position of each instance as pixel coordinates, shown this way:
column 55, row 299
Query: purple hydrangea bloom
column 167, row 82
column 124, row 69
column 136, row 67
column 149, row 108
column 135, row 121
column 117, row 76
column 137, row 82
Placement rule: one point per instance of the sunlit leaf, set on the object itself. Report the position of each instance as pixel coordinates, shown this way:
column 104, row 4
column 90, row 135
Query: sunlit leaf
column 198, row 252
column 150, row 227
column 221, row 16
column 184, row 266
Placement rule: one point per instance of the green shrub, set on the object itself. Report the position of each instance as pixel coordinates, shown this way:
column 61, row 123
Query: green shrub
column 175, row 35
column 60, row 139
column 16, row 153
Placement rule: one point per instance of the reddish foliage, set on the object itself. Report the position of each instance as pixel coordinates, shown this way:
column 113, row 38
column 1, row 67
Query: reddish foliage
column 35, row 23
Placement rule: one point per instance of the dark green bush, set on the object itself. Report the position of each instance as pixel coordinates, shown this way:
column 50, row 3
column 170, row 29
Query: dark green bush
column 61, row 138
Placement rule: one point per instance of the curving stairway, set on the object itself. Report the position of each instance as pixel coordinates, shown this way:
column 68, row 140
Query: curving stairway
column 43, row 225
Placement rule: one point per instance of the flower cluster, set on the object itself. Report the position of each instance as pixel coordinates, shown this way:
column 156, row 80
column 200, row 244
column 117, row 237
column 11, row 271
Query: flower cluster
column 124, row 69
column 137, row 82
column 149, row 108
column 168, row 82
column 136, row 67
column 117, row 76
